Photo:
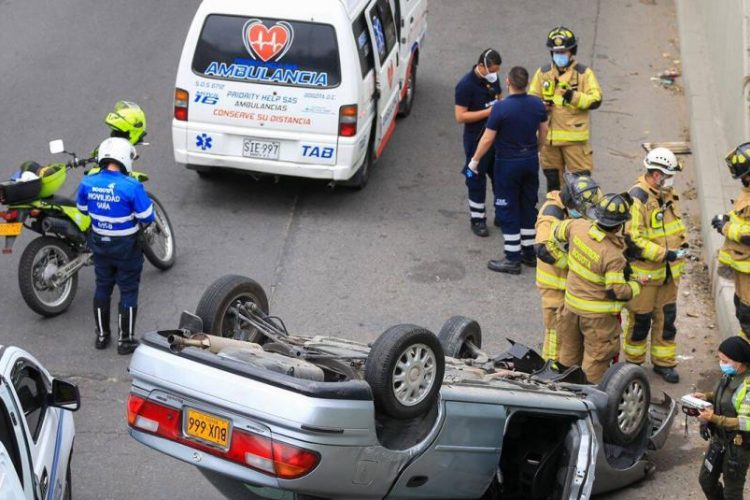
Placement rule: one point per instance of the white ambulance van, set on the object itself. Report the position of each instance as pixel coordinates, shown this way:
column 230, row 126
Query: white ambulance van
column 296, row 87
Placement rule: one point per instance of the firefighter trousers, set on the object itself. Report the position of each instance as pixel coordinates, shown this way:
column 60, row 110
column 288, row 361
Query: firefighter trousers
column 576, row 158
column 552, row 303
column 742, row 302
column 654, row 310
column 589, row 341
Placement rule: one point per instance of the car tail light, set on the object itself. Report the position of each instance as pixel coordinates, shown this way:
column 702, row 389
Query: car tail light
column 9, row 216
column 181, row 100
column 249, row 449
column 348, row 120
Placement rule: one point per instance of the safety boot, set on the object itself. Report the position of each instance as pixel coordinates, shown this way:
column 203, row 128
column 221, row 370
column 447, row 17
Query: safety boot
column 504, row 266
column 102, row 330
column 126, row 342
column 479, row 227
column 529, row 259
column 668, row 373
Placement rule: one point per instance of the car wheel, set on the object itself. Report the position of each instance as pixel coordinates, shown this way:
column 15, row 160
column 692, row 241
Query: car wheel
column 405, row 106
column 629, row 396
column 219, row 306
column 405, row 371
column 458, row 335
column 362, row 177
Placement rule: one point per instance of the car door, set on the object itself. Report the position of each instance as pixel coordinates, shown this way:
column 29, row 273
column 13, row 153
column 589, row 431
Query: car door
column 41, row 421
column 17, row 481
column 382, row 27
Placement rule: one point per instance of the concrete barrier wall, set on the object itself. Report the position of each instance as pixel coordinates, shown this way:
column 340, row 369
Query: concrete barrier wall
column 724, row 23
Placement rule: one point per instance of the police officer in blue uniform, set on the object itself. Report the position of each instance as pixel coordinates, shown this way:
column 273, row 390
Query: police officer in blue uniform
column 475, row 94
column 517, row 126
column 118, row 206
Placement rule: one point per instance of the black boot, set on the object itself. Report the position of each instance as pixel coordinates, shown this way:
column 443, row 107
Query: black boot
column 668, row 373
column 479, row 227
column 505, row 266
column 126, row 343
column 529, row 259
column 101, row 318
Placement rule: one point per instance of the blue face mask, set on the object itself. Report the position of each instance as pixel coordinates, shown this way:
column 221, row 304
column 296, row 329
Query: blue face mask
column 575, row 214
column 560, row 60
column 728, row 369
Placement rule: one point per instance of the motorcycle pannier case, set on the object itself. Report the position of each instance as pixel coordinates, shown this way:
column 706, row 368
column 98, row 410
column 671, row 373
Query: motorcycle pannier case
column 19, row 192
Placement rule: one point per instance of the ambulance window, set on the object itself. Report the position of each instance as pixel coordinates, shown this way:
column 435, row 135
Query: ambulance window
column 268, row 51
column 364, row 47
column 384, row 27
column 32, row 394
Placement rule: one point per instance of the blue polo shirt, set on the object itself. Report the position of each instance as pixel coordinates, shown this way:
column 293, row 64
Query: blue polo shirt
column 475, row 94
column 516, row 120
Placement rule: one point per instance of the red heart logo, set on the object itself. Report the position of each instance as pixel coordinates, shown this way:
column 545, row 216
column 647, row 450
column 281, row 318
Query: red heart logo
column 268, row 43
column 390, row 75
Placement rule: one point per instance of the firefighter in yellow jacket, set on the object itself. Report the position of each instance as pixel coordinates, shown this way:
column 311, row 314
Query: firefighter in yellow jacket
column 658, row 234
column 736, row 228
column 598, row 285
column 571, row 202
column 569, row 90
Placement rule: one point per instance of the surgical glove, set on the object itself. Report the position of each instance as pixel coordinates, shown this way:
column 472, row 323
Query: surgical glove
column 474, row 166
column 719, row 221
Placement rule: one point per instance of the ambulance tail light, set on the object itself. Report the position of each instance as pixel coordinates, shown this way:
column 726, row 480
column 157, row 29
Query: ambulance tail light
column 181, row 100
column 348, row 120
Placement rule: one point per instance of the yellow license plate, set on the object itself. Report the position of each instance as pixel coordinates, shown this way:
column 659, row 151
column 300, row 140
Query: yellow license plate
column 11, row 229
column 207, row 427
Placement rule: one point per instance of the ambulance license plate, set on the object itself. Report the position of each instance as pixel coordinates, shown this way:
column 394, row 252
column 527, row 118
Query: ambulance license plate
column 266, row 150
column 208, row 428
column 11, row 229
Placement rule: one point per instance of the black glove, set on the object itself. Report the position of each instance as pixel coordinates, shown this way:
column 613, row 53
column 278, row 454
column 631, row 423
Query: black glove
column 719, row 221
column 568, row 96
column 671, row 256
column 543, row 254
column 627, row 272
column 745, row 240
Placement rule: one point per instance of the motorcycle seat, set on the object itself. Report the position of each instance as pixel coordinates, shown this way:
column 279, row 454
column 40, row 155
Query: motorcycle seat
column 60, row 200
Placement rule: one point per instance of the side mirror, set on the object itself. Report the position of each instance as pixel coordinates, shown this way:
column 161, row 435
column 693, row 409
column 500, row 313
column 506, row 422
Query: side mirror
column 65, row 395
column 56, row 146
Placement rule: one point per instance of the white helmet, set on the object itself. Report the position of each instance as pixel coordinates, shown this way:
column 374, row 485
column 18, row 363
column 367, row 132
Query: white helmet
column 663, row 160
column 116, row 149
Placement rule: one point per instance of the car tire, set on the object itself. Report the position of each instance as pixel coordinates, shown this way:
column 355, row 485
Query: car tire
column 216, row 302
column 406, row 104
column 362, row 177
column 405, row 370
column 629, row 397
column 457, row 333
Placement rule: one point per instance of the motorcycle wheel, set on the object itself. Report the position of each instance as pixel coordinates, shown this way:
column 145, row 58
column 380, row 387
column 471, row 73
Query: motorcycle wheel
column 39, row 261
column 160, row 250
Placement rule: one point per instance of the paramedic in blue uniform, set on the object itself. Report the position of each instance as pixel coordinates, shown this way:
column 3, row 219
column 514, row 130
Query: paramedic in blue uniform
column 475, row 94
column 517, row 127
column 118, row 206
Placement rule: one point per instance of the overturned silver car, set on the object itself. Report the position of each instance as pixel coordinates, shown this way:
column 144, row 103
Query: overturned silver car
column 413, row 415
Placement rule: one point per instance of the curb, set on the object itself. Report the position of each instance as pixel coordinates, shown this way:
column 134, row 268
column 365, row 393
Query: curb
column 715, row 186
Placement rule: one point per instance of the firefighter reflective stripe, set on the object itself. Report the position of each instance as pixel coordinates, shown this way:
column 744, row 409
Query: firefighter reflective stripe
column 559, row 229
column 742, row 266
column 584, row 273
column 614, row 278
column 549, row 349
column 585, row 100
column 635, row 289
column 674, row 227
column 595, row 306
column 737, row 227
column 568, row 135
column 741, row 401
column 549, row 280
column 650, row 274
column 641, row 235
column 677, row 268
column 635, row 350
column 663, row 351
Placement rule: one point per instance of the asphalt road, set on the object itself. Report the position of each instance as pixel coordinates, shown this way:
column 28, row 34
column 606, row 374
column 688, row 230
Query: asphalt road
column 341, row 263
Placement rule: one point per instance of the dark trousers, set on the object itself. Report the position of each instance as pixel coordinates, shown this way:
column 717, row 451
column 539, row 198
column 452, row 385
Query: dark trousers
column 117, row 261
column 516, row 188
column 477, row 184
column 733, row 467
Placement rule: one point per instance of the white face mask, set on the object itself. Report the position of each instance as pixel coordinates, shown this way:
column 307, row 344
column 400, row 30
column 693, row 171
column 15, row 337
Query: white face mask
column 491, row 77
column 668, row 182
